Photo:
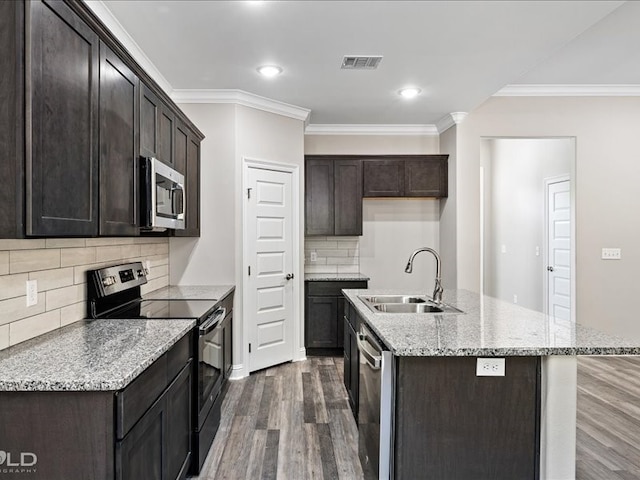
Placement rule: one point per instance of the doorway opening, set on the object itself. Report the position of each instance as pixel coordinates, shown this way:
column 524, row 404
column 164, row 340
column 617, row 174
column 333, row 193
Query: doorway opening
column 528, row 223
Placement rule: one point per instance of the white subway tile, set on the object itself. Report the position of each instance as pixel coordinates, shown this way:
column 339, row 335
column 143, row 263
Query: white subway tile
column 50, row 279
column 16, row 308
column 77, row 256
column 101, row 242
column 320, row 269
column 64, row 242
column 30, row 260
column 332, row 253
column 110, row 253
column 348, row 269
column 4, row 336
column 141, row 240
column 73, row 313
column 157, row 260
column 154, row 284
column 33, row 326
column 4, row 263
column 62, row 297
column 343, row 261
column 154, row 249
column 346, row 239
column 27, row 244
column 13, row 285
column 159, row 271
column 315, row 245
column 348, row 245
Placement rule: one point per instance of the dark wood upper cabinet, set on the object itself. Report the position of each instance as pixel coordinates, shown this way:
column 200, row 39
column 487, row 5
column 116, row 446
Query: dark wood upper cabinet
column 333, row 196
column 406, row 176
column 383, row 178
column 426, row 177
column 347, row 180
column 187, row 160
column 11, row 120
column 149, row 113
column 118, row 146
column 62, row 129
column 76, row 112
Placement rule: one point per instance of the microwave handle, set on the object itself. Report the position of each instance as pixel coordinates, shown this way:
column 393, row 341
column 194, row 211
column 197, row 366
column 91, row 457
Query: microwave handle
column 180, row 187
column 152, row 178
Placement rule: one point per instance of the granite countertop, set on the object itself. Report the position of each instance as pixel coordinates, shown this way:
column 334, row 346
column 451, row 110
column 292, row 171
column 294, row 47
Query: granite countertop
column 488, row 327
column 92, row 355
column 335, row 277
column 191, row 292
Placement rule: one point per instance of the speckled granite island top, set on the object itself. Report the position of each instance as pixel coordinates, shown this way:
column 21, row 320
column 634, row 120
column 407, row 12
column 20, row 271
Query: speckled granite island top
column 488, row 327
column 91, row 355
column 191, row 292
column 335, row 277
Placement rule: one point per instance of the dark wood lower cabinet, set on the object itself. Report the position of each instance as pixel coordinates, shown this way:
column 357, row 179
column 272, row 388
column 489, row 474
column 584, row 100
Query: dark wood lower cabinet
column 324, row 315
column 141, row 432
column 351, row 364
column 450, row 423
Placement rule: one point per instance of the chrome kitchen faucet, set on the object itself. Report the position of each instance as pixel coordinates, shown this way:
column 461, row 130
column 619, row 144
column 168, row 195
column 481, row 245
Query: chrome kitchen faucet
column 437, row 290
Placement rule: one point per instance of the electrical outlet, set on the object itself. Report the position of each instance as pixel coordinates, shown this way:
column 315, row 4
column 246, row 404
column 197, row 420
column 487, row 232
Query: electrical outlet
column 32, row 292
column 147, row 266
column 515, row 299
column 611, row 254
column 314, row 256
column 537, row 251
column 490, row 367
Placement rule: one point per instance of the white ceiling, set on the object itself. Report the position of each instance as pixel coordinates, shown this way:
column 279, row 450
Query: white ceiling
column 458, row 52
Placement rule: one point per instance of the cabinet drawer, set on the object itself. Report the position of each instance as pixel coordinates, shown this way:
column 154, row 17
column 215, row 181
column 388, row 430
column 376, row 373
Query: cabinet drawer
column 135, row 399
column 179, row 354
column 333, row 289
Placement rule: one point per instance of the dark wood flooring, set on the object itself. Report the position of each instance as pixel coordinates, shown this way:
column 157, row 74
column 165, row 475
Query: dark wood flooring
column 293, row 422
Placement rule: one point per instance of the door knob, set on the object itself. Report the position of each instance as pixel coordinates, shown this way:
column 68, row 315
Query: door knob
column 289, row 276
column 550, row 268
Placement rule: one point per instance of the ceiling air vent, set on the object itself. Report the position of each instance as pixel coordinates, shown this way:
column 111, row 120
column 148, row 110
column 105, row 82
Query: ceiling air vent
column 353, row 62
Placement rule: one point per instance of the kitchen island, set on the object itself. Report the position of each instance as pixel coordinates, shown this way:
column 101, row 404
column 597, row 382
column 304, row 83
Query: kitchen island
column 450, row 422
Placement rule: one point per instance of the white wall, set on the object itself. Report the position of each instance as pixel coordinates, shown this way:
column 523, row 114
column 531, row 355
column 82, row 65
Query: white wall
column 514, row 217
column 233, row 133
column 448, row 225
column 607, row 194
column 392, row 228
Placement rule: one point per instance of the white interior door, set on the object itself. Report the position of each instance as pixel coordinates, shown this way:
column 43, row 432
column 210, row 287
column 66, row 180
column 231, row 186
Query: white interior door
column 270, row 255
column 559, row 250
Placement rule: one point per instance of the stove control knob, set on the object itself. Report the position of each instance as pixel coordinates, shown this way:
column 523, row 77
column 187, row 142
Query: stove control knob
column 108, row 281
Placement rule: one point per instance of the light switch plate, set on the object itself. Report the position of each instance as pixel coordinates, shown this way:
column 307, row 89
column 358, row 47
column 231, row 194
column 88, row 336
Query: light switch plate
column 314, row 256
column 32, row 292
column 611, row 254
column 490, row 367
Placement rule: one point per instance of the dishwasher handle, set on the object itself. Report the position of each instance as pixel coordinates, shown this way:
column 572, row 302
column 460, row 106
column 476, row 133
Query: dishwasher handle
column 212, row 321
column 369, row 353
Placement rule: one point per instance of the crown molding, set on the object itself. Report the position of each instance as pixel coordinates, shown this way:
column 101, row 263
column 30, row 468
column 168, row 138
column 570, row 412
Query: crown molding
column 450, row 120
column 557, row 90
column 101, row 11
column 240, row 97
column 369, row 129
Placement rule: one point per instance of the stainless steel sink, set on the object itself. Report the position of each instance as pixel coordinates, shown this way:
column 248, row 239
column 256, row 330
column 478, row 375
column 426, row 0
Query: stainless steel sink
column 395, row 299
column 414, row 308
column 405, row 304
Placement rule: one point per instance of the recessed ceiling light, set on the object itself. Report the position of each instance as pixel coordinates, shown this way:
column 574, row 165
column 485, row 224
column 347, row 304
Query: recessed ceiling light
column 269, row 70
column 409, row 92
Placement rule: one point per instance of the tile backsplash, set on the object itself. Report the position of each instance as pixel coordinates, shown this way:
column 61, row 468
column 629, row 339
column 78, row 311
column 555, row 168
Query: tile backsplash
column 334, row 254
column 59, row 265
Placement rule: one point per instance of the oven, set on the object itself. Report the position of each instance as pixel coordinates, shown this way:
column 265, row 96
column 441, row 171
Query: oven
column 114, row 292
column 162, row 199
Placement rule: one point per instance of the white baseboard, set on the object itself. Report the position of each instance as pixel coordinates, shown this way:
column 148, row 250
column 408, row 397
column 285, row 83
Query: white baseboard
column 238, row 372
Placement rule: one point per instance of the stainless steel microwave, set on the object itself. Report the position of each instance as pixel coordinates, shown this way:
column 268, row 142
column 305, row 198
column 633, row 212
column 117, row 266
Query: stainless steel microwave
column 163, row 197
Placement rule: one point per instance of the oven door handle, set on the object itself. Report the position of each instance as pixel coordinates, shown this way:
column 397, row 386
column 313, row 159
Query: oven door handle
column 375, row 361
column 209, row 325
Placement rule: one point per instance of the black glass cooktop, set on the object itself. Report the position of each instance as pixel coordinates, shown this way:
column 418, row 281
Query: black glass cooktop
column 164, row 309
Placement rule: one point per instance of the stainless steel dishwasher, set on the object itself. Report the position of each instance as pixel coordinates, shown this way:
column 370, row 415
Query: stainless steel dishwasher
column 375, row 413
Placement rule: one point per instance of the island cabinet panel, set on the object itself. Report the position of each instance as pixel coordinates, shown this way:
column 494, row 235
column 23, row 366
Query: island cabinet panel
column 118, row 144
column 62, row 89
column 452, row 424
